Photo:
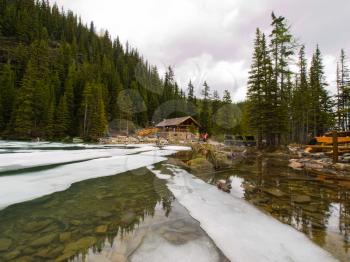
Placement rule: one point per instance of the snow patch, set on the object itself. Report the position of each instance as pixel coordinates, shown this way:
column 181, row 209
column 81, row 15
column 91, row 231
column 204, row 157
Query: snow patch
column 239, row 229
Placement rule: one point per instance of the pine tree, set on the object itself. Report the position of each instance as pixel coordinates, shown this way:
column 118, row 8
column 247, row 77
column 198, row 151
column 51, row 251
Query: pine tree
column 191, row 100
column 7, row 94
column 62, row 119
column 261, row 93
column 205, row 112
column 93, row 110
column 226, row 99
column 321, row 106
column 281, row 49
column 126, row 111
column 300, row 102
column 343, row 93
column 24, row 116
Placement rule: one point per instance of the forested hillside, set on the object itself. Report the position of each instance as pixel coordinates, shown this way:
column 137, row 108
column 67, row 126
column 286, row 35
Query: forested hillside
column 59, row 78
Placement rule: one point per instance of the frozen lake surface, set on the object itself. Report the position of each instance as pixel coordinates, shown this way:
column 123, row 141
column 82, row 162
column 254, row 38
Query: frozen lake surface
column 89, row 191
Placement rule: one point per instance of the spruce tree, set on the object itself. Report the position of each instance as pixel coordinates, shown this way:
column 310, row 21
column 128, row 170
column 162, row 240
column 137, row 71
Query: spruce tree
column 7, row 94
column 62, row 119
column 281, row 49
column 205, row 112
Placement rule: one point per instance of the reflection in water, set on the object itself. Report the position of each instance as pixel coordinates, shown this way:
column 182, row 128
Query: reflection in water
column 93, row 218
column 315, row 205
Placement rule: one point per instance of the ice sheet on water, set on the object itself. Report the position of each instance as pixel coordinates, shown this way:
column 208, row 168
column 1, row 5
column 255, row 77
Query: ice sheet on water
column 155, row 248
column 19, row 188
column 178, row 148
column 240, row 230
column 17, row 161
column 159, row 152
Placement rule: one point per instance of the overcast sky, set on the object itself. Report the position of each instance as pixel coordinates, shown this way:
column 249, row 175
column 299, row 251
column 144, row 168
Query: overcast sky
column 212, row 40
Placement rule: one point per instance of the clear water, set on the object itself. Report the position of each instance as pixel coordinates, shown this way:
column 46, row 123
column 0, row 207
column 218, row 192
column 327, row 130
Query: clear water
column 134, row 217
column 86, row 221
column 318, row 206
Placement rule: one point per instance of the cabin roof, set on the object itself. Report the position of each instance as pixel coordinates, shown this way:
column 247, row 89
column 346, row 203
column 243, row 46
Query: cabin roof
column 176, row 121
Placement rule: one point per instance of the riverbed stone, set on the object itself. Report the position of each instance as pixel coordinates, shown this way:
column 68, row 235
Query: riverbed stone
column 103, row 214
column 43, row 241
column 64, row 257
column 49, row 252
column 301, row 199
column 101, row 229
column 28, row 251
column 5, row 244
column 25, row 259
column 81, row 244
column 65, row 236
column 274, row 191
column 75, row 222
column 35, row 226
column 12, row 255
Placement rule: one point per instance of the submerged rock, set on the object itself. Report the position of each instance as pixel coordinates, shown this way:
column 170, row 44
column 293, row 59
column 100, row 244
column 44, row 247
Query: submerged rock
column 65, row 236
column 301, row 199
column 36, row 226
column 12, row 255
column 25, row 259
column 101, row 229
column 275, row 192
column 81, row 244
column 103, row 214
column 50, row 252
column 5, row 244
column 75, row 222
column 43, row 241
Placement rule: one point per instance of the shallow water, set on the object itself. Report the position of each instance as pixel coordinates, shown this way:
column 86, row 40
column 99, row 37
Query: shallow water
column 315, row 205
column 100, row 218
